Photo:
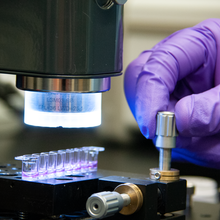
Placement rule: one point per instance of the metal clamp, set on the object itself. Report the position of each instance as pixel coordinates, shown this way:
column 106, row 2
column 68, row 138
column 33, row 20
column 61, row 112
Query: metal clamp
column 164, row 175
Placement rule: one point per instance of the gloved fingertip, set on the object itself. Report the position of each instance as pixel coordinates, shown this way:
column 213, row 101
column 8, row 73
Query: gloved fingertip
column 183, row 111
column 145, row 131
column 198, row 115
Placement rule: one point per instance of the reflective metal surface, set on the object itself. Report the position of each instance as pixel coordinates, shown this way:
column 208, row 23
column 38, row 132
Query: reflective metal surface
column 104, row 204
column 63, row 85
column 60, row 38
column 166, row 132
column 165, row 159
column 165, row 138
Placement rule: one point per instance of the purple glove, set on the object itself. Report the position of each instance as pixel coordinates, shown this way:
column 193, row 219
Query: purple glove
column 181, row 74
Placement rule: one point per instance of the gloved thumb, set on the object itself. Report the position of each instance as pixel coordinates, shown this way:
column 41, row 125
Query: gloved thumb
column 199, row 114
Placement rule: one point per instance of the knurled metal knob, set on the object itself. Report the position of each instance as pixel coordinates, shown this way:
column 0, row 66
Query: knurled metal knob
column 166, row 130
column 105, row 204
column 127, row 199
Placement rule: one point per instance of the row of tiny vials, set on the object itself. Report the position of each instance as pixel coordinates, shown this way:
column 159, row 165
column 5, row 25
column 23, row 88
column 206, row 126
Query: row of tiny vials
column 58, row 163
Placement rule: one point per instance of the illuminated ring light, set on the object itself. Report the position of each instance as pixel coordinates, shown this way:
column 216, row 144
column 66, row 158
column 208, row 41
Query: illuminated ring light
column 67, row 110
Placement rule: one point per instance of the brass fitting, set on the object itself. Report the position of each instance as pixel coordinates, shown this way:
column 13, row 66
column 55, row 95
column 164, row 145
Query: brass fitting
column 164, row 175
column 135, row 195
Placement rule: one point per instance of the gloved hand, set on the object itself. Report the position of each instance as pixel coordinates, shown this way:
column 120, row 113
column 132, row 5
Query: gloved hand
column 181, row 74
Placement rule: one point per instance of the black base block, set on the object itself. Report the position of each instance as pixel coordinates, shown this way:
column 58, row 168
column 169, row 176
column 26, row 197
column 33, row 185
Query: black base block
column 64, row 195
column 47, row 197
column 159, row 197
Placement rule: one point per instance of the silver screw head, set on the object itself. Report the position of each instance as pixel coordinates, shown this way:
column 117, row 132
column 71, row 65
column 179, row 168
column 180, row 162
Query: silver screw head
column 157, row 176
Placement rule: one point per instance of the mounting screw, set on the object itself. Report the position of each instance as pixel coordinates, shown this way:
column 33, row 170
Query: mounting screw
column 157, row 176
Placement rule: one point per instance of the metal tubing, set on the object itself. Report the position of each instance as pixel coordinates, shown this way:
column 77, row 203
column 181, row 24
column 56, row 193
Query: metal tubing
column 165, row 159
column 126, row 199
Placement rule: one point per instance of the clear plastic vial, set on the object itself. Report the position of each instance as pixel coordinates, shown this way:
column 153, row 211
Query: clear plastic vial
column 76, row 163
column 68, row 110
column 68, row 161
column 43, row 164
column 93, row 157
column 52, row 164
column 61, row 154
column 84, row 159
column 58, row 163
column 30, row 167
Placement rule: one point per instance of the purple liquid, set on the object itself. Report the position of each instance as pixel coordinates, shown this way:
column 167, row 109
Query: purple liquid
column 93, row 166
column 76, row 168
column 68, row 169
column 51, row 173
column 84, row 167
column 43, row 174
column 60, row 172
column 29, row 175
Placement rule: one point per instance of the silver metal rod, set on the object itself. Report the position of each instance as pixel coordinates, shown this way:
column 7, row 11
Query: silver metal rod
column 126, row 198
column 165, row 159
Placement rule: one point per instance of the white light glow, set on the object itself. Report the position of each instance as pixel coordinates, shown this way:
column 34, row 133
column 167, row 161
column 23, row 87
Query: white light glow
column 68, row 110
